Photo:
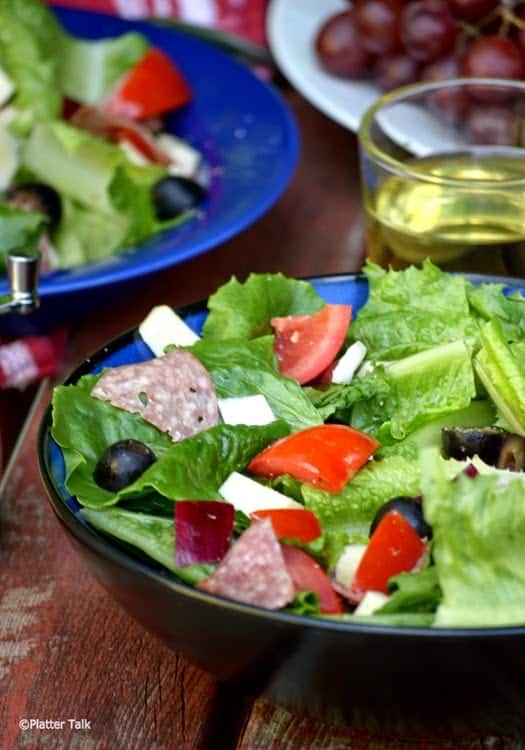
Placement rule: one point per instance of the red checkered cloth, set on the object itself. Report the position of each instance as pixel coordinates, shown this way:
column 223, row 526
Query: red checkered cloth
column 242, row 17
column 30, row 359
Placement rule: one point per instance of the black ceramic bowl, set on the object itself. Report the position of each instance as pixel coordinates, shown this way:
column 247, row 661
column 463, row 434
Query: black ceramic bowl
column 325, row 667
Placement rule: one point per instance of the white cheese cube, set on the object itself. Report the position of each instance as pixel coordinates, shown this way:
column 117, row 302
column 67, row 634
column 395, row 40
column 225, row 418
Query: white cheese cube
column 252, row 410
column 370, row 603
column 247, row 495
column 162, row 327
column 344, row 370
column 348, row 563
column 184, row 159
column 7, row 87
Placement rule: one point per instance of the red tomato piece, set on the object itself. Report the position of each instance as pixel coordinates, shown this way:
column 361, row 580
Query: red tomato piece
column 292, row 523
column 306, row 344
column 154, row 86
column 307, row 575
column 394, row 547
column 325, row 456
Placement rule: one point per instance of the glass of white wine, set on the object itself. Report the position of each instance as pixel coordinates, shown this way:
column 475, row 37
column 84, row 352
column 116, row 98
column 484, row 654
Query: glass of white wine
column 443, row 175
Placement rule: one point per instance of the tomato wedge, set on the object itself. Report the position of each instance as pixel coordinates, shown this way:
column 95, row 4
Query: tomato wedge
column 394, row 547
column 306, row 344
column 307, row 575
column 292, row 523
column 325, row 456
column 152, row 87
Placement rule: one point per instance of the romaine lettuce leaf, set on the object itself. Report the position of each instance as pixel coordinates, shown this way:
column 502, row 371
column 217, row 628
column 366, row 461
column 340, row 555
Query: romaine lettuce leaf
column 89, row 69
column 28, row 58
column 422, row 387
column 413, row 592
column 352, row 510
column 244, row 368
column 478, row 545
column 501, row 373
column 19, row 229
column 244, row 310
column 85, row 234
column 151, row 535
column 413, row 310
column 489, row 302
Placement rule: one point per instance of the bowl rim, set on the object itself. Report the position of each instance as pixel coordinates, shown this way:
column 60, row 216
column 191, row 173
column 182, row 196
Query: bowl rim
column 102, row 545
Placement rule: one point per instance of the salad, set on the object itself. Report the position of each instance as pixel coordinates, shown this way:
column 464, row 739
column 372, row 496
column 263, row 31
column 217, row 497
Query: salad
column 364, row 465
column 86, row 169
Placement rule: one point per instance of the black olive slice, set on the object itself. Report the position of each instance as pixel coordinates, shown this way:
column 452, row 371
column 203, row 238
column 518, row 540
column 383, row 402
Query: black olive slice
column 466, row 442
column 122, row 463
column 174, row 195
column 411, row 508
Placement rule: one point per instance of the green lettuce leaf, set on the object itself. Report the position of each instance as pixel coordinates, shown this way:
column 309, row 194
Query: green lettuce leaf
column 153, row 536
column 28, row 40
column 352, row 510
column 85, row 234
column 413, row 592
column 244, row 368
column 413, row 310
column 336, row 401
column 422, row 387
column 304, row 603
column 19, row 229
column 501, row 373
column 244, row 310
column 478, row 545
column 89, row 69
column 489, row 302
column 194, row 468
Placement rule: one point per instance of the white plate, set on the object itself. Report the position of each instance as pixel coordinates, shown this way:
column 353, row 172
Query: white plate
column 292, row 26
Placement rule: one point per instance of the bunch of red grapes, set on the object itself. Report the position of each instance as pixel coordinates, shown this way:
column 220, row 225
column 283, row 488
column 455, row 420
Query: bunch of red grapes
column 397, row 42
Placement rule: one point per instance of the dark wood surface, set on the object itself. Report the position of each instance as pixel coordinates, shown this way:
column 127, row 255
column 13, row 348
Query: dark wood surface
column 67, row 651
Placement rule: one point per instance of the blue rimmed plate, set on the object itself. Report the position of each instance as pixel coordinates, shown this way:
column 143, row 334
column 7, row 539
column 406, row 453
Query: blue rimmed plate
column 248, row 138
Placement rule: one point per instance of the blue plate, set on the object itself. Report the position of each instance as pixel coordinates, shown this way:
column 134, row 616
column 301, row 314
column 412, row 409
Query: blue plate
column 247, row 136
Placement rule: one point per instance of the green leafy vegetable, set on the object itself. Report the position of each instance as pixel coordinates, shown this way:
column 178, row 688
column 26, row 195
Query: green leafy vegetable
column 489, row 302
column 304, row 603
column 351, row 511
column 89, row 69
column 244, row 310
column 243, row 368
column 501, row 373
column 422, row 387
column 152, row 535
column 18, row 229
column 27, row 35
column 413, row 592
column 478, row 545
column 413, row 310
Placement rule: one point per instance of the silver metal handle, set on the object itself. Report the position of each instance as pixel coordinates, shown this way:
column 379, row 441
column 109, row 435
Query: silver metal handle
column 23, row 273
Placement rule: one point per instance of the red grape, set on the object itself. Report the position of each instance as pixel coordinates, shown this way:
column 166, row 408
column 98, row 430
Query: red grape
column 451, row 101
column 494, row 56
column 339, row 46
column 472, row 10
column 396, row 70
column 379, row 24
column 493, row 125
column 428, row 29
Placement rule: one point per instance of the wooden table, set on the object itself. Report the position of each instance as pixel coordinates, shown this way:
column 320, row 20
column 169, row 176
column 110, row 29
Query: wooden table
column 67, row 652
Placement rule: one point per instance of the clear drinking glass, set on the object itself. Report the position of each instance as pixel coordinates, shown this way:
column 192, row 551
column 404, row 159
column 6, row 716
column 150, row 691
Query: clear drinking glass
column 443, row 175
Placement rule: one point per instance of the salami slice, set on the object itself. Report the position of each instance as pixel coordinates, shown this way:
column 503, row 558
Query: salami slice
column 253, row 570
column 173, row 392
